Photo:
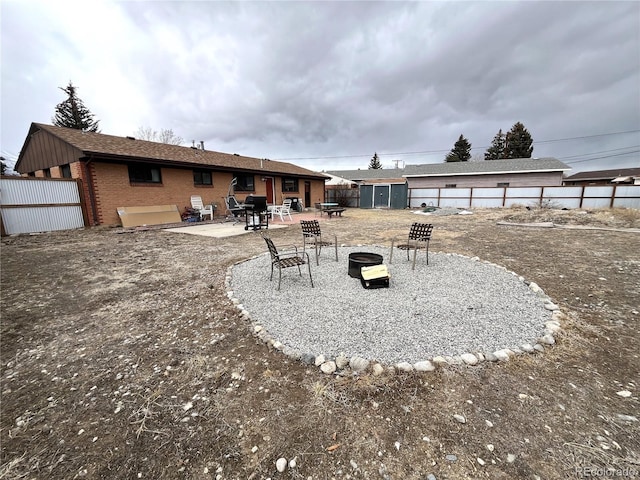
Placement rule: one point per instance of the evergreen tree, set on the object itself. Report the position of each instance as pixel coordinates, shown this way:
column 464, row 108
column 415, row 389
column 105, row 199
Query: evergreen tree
column 497, row 149
column 73, row 114
column 519, row 143
column 461, row 151
column 375, row 164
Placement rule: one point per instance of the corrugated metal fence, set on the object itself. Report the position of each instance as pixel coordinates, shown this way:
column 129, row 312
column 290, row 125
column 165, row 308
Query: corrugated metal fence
column 601, row 196
column 30, row 205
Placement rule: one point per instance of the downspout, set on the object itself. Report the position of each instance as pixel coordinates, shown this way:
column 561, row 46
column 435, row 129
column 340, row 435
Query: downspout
column 92, row 202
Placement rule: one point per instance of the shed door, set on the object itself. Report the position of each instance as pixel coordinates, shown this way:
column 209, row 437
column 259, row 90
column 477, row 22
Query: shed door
column 398, row 196
column 366, row 196
column 380, row 196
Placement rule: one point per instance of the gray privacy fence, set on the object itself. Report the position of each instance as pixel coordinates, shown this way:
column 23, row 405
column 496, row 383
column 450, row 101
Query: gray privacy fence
column 600, row 196
column 30, row 205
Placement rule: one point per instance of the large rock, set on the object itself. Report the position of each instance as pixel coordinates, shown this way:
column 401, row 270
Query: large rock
column 469, row 358
column 424, row 366
column 358, row 364
column 328, row 367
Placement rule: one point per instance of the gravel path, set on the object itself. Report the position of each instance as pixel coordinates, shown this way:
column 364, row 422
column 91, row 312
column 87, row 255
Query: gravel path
column 452, row 306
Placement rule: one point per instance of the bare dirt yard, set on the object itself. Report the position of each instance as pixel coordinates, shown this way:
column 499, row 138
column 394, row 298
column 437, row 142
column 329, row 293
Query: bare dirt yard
column 123, row 357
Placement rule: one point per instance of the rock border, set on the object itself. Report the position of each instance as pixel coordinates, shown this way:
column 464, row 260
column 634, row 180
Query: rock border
column 342, row 364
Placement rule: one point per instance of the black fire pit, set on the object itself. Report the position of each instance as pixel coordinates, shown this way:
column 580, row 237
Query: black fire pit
column 357, row 260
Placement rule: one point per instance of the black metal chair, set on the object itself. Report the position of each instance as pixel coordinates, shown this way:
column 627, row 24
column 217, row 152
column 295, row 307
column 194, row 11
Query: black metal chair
column 312, row 234
column 233, row 207
column 419, row 237
column 286, row 259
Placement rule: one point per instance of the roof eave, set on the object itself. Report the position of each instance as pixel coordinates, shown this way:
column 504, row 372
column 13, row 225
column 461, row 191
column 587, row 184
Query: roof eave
column 451, row 174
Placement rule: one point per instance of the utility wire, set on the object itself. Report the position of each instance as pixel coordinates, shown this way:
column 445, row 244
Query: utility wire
column 600, row 158
column 429, row 152
column 602, row 151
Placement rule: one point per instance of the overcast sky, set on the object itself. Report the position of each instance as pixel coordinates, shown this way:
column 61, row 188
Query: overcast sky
column 324, row 85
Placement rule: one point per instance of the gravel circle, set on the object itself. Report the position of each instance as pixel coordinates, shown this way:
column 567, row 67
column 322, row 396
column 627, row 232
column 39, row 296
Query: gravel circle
column 454, row 305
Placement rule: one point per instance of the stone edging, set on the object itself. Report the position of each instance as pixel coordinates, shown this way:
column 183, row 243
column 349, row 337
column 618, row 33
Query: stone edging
column 342, row 364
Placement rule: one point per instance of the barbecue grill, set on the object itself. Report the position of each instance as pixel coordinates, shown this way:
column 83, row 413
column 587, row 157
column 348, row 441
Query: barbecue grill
column 256, row 215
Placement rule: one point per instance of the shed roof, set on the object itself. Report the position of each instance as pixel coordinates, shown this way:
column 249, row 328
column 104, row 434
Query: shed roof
column 131, row 149
column 369, row 174
column 487, row 167
column 604, row 174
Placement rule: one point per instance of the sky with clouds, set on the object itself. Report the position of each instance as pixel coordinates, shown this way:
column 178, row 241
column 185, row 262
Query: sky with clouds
column 325, row 85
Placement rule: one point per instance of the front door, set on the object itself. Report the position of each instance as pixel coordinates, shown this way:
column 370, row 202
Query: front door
column 268, row 184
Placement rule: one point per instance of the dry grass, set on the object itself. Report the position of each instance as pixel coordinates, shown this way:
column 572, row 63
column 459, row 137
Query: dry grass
column 131, row 340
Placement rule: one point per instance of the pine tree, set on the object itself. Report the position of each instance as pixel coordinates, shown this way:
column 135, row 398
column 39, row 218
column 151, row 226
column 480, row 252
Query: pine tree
column 375, row 164
column 73, row 114
column 519, row 143
column 461, row 151
column 497, row 149
column 3, row 166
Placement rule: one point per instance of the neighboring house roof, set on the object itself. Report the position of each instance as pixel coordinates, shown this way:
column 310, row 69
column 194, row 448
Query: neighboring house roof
column 130, row 149
column 603, row 175
column 336, row 180
column 486, row 167
column 369, row 174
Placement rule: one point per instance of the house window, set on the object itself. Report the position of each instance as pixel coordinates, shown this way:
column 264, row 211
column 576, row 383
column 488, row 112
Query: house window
column 289, row 184
column 139, row 173
column 65, row 171
column 47, row 172
column 503, row 184
column 245, row 183
column 202, row 177
column 450, row 185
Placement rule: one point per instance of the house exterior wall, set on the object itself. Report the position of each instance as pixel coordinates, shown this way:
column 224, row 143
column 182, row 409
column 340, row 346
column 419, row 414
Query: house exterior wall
column 109, row 187
column 46, row 151
column 538, row 179
column 112, row 189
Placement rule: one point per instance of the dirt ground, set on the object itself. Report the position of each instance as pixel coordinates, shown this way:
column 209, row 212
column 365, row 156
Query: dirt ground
column 122, row 357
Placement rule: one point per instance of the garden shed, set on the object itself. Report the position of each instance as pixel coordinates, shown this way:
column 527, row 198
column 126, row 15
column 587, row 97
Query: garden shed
column 378, row 188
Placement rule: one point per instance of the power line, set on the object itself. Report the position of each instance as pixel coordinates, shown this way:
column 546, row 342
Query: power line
column 431, row 152
column 587, row 136
column 605, row 156
column 602, row 151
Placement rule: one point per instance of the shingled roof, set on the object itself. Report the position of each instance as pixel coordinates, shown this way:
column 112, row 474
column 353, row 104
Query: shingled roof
column 486, row 167
column 368, row 174
column 604, row 174
column 110, row 147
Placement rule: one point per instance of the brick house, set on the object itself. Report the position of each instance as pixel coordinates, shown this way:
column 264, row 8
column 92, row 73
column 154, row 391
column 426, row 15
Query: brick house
column 126, row 172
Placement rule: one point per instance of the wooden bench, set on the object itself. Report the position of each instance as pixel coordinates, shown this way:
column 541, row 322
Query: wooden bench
column 334, row 210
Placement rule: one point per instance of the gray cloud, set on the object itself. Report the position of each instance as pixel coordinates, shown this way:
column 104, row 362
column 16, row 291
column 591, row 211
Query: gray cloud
column 330, row 79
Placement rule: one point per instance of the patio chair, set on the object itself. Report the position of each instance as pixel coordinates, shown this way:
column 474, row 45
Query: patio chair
column 419, row 237
column 282, row 210
column 312, row 234
column 286, row 259
column 233, row 207
column 197, row 204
